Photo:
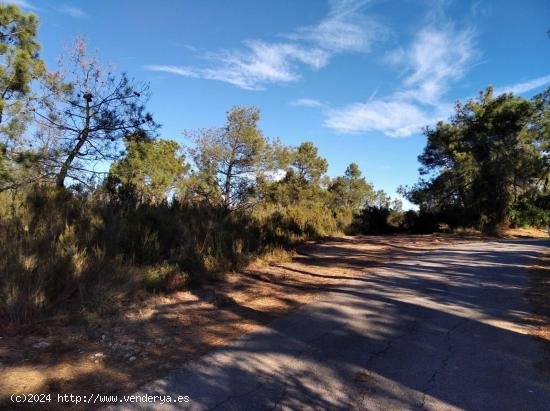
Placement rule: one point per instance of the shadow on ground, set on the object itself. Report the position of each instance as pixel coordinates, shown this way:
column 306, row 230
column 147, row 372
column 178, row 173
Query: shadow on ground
column 389, row 330
column 445, row 329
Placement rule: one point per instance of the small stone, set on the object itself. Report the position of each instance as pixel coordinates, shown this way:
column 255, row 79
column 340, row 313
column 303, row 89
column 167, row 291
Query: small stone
column 132, row 358
column 42, row 344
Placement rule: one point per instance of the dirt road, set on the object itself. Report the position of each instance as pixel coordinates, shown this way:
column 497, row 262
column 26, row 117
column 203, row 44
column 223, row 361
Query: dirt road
column 442, row 330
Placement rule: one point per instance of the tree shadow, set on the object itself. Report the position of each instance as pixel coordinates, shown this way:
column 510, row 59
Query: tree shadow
column 393, row 334
column 323, row 359
column 448, row 335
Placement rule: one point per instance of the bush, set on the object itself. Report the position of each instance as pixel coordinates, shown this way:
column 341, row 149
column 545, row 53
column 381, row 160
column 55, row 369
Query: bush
column 424, row 222
column 165, row 277
column 374, row 220
column 525, row 213
column 48, row 252
column 59, row 248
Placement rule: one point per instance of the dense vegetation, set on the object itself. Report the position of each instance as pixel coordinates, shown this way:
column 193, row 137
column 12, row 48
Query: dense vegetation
column 489, row 167
column 94, row 206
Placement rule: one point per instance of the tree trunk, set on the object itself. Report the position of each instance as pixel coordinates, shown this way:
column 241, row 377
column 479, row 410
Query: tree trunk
column 60, row 181
column 227, row 186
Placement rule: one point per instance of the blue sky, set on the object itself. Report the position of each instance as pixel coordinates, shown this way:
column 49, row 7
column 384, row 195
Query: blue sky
column 359, row 78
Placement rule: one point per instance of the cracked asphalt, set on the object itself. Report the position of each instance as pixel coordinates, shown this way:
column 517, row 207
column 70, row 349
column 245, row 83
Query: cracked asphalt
column 440, row 330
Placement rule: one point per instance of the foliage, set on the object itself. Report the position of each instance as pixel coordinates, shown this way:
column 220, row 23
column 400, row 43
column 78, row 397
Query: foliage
column 308, row 166
column 490, row 157
column 302, row 180
column 72, row 240
column 229, row 158
column 84, row 113
column 20, row 66
column 149, row 172
column 351, row 191
column 374, row 220
column 165, row 277
column 20, row 63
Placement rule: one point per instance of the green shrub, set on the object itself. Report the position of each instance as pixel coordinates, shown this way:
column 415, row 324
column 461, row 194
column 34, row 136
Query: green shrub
column 525, row 213
column 60, row 249
column 165, row 277
column 374, row 220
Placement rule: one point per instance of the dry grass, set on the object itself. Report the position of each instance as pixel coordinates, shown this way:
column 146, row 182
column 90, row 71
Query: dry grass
column 539, row 296
column 509, row 233
column 144, row 338
column 526, row 232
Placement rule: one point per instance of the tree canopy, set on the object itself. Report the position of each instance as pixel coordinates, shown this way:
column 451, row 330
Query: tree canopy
column 228, row 159
column 19, row 53
column 488, row 160
column 20, row 66
column 149, row 171
column 84, row 113
column 351, row 190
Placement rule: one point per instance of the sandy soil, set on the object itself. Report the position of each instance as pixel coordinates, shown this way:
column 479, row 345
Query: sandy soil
column 526, row 233
column 539, row 296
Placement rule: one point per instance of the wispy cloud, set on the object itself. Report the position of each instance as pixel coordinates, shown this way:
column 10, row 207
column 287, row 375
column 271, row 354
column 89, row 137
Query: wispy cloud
column 399, row 116
column 307, row 102
column 186, row 46
column 344, row 29
column 481, row 9
column 393, row 117
column 65, row 9
column 74, row 12
column 180, row 71
column 524, row 87
column 260, row 62
column 436, row 58
column 20, row 3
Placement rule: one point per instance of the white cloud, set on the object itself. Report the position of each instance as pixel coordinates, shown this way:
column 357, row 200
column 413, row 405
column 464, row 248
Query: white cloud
column 394, row 118
column 66, row 9
column 400, row 115
column 20, row 3
column 524, row 87
column 264, row 63
column 307, row 102
column 181, row 71
column 435, row 59
column 344, row 29
column 261, row 63
column 74, row 12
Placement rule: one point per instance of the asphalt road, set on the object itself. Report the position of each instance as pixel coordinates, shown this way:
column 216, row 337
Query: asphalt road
column 439, row 330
